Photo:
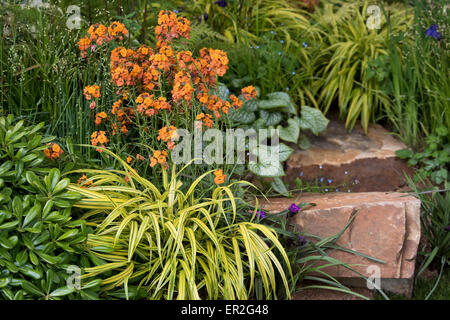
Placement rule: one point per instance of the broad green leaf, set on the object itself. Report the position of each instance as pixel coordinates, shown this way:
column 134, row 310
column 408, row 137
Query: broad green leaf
column 242, row 116
column 250, row 105
column 271, row 118
column 313, row 119
column 291, row 132
column 279, row 186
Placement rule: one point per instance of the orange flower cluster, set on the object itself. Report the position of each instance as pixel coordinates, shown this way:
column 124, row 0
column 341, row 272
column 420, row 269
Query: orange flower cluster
column 213, row 63
column 99, row 116
column 168, row 134
column 214, row 103
column 123, row 117
column 91, row 91
column 159, row 156
column 182, row 87
column 82, row 181
column 206, row 119
column 249, row 92
column 144, row 74
column 98, row 34
column 148, row 106
column 99, row 137
column 53, row 151
column 220, row 177
column 117, row 29
column 236, row 102
column 170, row 27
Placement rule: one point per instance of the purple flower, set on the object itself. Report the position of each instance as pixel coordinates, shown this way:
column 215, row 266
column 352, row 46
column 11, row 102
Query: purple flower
column 260, row 214
column 294, row 208
column 432, row 32
column 205, row 16
column 302, row 240
column 447, row 228
column 221, row 3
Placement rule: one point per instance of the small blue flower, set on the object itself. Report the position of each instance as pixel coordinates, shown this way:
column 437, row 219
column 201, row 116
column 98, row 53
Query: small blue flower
column 294, row 208
column 257, row 47
column 260, row 214
column 176, row 11
column 251, row 47
column 279, row 53
column 346, row 172
column 302, row 240
column 432, row 32
column 320, row 167
column 221, row 3
column 301, row 174
column 272, row 32
column 326, row 190
column 348, row 190
column 282, row 24
column 330, row 181
column 321, row 179
column 287, row 89
column 305, row 44
column 337, row 190
column 282, row 41
column 293, row 73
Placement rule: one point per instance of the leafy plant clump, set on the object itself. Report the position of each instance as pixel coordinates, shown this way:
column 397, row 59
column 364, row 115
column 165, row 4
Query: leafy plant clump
column 39, row 241
column 433, row 162
column 169, row 244
column 278, row 112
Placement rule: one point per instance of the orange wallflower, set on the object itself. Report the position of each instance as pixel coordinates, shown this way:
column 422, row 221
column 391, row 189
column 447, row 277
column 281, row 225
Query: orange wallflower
column 53, row 151
column 169, row 26
column 220, row 177
column 91, row 91
column 182, row 87
column 98, row 33
column 99, row 116
column 82, row 181
column 249, row 92
column 129, row 159
column 99, row 137
column 117, row 29
column 206, row 119
column 236, row 102
column 158, row 157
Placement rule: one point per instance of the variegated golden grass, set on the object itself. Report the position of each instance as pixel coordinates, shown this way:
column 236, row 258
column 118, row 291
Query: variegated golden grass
column 172, row 244
column 343, row 61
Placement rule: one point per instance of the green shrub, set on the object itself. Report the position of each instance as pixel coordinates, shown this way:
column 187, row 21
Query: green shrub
column 38, row 238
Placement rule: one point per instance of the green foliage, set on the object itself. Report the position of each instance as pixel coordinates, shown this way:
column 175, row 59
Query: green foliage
column 435, row 217
column 278, row 112
column 170, row 244
column 435, row 222
column 38, row 238
column 344, row 61
column 434, row 161
column 418, row 81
